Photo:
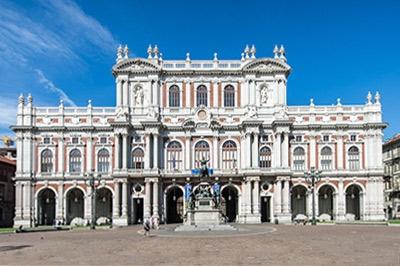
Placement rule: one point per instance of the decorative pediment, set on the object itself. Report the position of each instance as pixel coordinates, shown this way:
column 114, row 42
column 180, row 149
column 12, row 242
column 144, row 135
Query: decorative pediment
column 135, row 65
column 267, row 65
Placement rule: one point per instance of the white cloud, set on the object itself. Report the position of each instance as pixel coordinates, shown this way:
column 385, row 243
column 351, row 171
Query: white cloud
column 48, row 84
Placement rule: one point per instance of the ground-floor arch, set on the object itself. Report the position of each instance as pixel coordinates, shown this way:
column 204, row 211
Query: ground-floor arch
column 46, row 207
column 326, row 200
column 230, row 202
column 74, row 204
column 299, row 201
column 174, row 205
column 103, row 203
column 353, row 202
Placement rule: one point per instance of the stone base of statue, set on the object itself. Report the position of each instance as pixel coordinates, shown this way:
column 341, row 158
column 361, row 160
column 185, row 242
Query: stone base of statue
column 204, row 217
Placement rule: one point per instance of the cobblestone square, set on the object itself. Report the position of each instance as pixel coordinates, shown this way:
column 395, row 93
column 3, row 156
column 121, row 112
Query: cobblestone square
column 251, row 245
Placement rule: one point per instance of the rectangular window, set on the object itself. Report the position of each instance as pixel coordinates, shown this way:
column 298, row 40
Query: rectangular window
column 326, row 138
column 46, row 140
column 103, row 140
column 353, row 138
column 299, row 138
column 75, row 140
column 265, row 138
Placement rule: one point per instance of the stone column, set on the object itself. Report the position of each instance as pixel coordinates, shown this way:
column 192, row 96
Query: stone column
column 147, row 152
column 124, row 199
column 256, row 197
column 89, row 154
column 285, row 150
column 188, row 151
column 147, row 199
column 117, row 152
column 119, row 93
column 248, row 197
column 155, row 198
column 27, row 200
column 340, row 152
column 88, row 203
column 248, row 150
column 61, row 158
column 277, row 157
column 285, row 197
column 254, row 152
column 155, row 151
column 277, row 198
column 125, row 151
column 116, row 212
column 18, row 200
column 125, row 93
column 341, row 201
column 60, row 202
column 215, row 157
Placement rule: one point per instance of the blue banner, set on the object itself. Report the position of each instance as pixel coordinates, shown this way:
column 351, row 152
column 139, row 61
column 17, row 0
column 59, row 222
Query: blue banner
column 188, row 191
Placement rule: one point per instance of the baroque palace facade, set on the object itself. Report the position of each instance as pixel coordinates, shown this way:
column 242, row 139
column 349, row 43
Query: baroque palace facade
column 170, row 114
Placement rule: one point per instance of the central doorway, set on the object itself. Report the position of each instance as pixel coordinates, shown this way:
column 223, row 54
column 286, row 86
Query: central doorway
column 229, row 203
column 266, row 209
column 137, row 211
column 174, row 205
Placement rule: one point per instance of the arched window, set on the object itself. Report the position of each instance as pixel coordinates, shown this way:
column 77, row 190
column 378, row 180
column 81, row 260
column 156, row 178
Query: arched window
column 201, row 150
column 174, row 156
column 46, row 161
column 229, row 155
column 202, row 95
column 326, row 158
column 354, row 158
column 137, row 158
column 265, row 157
column 103, row 161
column 229, row 96
column 75, row 159
column 299, row 159
column 174, row 96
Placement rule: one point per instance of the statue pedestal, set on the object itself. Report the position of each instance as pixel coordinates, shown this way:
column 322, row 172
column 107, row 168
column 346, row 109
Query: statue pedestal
column 205, row 217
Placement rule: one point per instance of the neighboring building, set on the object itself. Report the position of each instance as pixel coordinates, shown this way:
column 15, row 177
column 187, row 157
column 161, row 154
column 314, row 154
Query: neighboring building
column 391, row 160
column 171, row 113
column 7, row 195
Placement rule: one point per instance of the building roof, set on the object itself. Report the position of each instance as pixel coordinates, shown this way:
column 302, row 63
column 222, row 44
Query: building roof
column 7, row 161
column 394, row 139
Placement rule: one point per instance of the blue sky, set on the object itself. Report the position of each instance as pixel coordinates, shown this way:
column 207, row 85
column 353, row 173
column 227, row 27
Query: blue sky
column 337, row 49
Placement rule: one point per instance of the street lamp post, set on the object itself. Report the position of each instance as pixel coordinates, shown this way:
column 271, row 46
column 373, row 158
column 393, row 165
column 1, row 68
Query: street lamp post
column 32, row 199
column 312, row 177
column 92, row 183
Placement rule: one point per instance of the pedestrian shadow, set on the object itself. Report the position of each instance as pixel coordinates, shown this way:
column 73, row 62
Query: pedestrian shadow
column 8, row 248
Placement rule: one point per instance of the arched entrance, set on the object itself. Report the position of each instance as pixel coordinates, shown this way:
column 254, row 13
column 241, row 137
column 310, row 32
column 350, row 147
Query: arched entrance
column 229, row 203
column 353, row 200
column 47, row 207
column 75, row 204
column 174, row 202
column 299, row 201
column 325, row 200
column 103, row 203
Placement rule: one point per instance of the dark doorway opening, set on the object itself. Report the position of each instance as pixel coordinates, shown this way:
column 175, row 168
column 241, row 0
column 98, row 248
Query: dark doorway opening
column 175, row 205
column 265, row 209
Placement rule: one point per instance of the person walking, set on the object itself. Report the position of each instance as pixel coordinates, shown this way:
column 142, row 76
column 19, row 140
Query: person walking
column 147, row 226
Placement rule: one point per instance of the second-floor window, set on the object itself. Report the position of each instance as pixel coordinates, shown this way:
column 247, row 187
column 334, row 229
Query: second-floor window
column 229, row 96
column 137, row 158
column 201, row 151
column 229, row 155
column 103, row 161
column 202, row 95
column 46, row 161
column 75, row 159
column 174, row 156
column 265, row 157
column 174, row 96
column 326, row 158
column 354, row 158
column 298, row 159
